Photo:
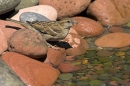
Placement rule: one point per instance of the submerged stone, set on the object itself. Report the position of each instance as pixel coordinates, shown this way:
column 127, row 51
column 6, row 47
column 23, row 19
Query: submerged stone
column 65, row 76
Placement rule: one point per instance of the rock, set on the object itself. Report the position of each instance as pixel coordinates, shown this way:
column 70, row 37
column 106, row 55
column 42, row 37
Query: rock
column 6, row 30
column 78, row 45
column 70, row 58
column 8, row 76
column 3, row 42
column 6, row 6
column 28, row 42
column 26, row 3
column 95, row 82
column 70, row 67
column 115, row 40
column 116, row 29
column 104, row 53
column 113, row 83
column 103, row 59
column 32, row 16
column 110, row 12
column 66, row 76
column 44, row 10
column 87, row 27
column 9, row 28
column 32, row 72
column 67, row 8
column 54, row 57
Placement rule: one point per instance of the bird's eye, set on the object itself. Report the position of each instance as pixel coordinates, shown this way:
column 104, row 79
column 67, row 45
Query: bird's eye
column 68, row 21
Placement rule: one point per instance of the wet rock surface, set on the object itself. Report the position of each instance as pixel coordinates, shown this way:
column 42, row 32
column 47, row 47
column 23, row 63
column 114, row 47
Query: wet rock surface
column 87, row 27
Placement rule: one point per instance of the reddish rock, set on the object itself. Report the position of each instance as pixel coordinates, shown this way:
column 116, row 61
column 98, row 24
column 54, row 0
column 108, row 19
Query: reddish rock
column 67, row 8
column 110, row 12
column 32, row 72
column 116, row 29
column 87, row 27
column 44, row 10
column 70, row 67
column 3, row 42
column 9, row 28
column 79, row 45
column 54, row 57
column 115, row 40
column 28, row 42
column 70, row 58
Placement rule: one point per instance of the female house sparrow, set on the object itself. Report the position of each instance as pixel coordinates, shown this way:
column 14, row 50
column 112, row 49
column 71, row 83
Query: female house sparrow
column 50, row 30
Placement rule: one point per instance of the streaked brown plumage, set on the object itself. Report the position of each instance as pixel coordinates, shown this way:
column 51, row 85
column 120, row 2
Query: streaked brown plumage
column 52, row 30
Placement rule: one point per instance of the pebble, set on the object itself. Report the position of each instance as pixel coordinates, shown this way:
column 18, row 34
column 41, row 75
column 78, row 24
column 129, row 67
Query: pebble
column 85, row 62
column 78, row 45
column 32, row 16
column 127, row 72
column 82, row 83
column 103, row 59
column 3, row 42
column 69, row 58
column 110, row 70
column 67, row 8
column 55, row 57
column 113, row 83
column 124, row 77
column 120, row 53
column 115, row 40
column 90, row 53
column 6, row 31
column 32, row 72
column 65, row 76
column 100, row 71
column 93, row 77
column 95, row 82
column 104, row 53
column 70, row 67
column 116, row 29
column 69, row 83
column 28, row 42
column 26, row 3
column 110, row 13
column 124, row 48
column 87, row 27
column 9, row 28
column 104, row 77
column 44, row 10
column 8, row 5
